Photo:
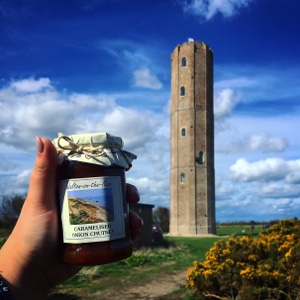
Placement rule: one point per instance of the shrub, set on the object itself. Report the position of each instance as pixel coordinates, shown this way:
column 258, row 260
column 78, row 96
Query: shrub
column 10, row 210
column 251, row 268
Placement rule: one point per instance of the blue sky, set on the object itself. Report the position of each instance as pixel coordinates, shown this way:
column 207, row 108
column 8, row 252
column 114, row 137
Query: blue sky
column 86, row 66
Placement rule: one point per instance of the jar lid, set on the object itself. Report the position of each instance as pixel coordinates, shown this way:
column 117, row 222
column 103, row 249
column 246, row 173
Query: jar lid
column 96, row 148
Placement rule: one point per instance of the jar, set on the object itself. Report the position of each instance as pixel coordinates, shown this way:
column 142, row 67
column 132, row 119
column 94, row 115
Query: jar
column 92, row 198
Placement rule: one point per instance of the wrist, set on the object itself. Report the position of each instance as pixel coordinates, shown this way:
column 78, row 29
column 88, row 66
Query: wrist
column 22, row 281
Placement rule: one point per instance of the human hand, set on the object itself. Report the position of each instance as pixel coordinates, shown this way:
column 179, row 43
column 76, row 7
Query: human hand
column 29, row 259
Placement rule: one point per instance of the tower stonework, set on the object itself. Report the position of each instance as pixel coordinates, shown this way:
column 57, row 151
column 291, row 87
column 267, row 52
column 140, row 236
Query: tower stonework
column 192, row 176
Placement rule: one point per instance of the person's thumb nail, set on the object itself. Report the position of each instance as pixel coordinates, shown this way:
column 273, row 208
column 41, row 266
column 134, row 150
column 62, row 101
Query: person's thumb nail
column 39, row 144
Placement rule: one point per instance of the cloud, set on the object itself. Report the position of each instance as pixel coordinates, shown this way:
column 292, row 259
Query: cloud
column 143, row 63
column 128, row 54
column 209, row 8
column 280, row 190
column 224, row 189
column 225, row 103
column 285, row 205
column 267, row 144
column 270, row 169
column 144, row 79
column 34, row 107
column 254, row 83
column 135, row 126
column 262, row 142
column 151, row 187
column 31, row 85
column 19, row 183
column 6, row 165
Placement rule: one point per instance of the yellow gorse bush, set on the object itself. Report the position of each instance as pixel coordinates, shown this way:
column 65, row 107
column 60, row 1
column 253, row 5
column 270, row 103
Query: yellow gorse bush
column 248, row 268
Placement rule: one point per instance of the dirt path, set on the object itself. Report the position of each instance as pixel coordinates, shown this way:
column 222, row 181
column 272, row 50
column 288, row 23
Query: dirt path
column 155, row 289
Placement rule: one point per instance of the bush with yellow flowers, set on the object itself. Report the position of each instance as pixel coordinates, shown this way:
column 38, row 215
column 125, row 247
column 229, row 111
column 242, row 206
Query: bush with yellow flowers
column 249, row 268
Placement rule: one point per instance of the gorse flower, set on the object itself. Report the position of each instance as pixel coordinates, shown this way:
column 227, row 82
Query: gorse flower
column 264, row 268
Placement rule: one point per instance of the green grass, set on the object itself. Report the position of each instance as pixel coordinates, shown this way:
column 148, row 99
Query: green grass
column 197, row 247
column 238, row 230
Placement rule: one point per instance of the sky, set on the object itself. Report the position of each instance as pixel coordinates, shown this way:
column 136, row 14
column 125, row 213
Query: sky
column 78, row 66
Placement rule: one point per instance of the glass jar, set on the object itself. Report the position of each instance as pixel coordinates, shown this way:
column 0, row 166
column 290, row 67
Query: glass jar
column 92, row 197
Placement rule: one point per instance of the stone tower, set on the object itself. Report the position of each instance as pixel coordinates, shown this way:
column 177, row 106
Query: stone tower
column 192, row 180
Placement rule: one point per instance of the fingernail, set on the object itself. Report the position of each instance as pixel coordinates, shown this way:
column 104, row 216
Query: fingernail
column 39, row 144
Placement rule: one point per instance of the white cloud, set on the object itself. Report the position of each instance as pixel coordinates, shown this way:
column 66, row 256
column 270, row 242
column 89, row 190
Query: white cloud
column 293, row 178
column 5, row 164
column 280, row 190
column 224, row 103
column 136, row 127
column 144, row 79
column 267, row 143
column 255, row 83
column 22, row 179
column 16, row 184
column 131, row 55
column 262, row 142
column 45, row 111
column 209, row 8
column 270, row 169
column 151, row 187
column 224, row 189
column 31, row 85
column 285, row 205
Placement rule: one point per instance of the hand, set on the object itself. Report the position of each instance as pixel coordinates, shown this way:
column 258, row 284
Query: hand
column 29, row 259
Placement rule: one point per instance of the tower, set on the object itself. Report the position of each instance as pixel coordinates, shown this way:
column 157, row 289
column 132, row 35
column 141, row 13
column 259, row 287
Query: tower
column 192, row 181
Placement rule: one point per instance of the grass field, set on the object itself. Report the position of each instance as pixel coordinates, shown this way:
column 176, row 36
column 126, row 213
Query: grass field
column 238, row 230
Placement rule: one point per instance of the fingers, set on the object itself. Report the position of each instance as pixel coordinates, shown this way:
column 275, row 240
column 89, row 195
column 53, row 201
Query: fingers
column 42, row 182
column 135, row 221
column 133, row 195
column 136, row 224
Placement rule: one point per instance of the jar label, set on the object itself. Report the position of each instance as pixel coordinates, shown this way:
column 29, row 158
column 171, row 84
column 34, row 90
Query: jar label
column 92, row 209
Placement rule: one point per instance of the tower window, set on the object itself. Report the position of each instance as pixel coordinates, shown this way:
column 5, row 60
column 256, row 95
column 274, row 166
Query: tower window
column 183, row 132
column 201, row 157
column 182, row 177
column 183, row 62
column 182, row 91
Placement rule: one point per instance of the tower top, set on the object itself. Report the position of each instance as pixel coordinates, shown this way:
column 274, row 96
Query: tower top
column 191, row 41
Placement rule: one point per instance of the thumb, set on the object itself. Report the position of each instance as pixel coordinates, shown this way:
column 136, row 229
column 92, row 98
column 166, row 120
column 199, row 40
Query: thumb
column 42, row 185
